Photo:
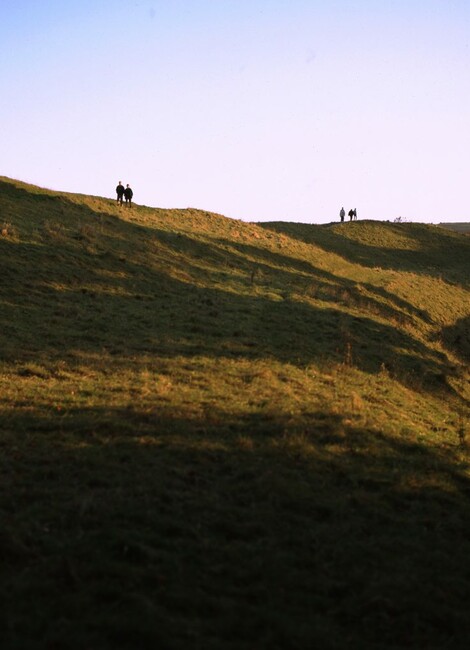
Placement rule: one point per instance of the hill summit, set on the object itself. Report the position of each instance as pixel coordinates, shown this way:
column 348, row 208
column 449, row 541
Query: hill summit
column 230, row 432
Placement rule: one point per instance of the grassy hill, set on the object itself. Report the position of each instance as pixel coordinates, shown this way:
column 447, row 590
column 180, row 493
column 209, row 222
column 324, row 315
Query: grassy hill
column 457, row 227
column 216, row 434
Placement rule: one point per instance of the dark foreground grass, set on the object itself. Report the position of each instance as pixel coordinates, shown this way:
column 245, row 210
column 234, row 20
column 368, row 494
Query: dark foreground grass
column 217, row 435
column 129, row 530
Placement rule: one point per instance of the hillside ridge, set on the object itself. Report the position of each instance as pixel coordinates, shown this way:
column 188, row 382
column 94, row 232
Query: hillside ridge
column 212, row 429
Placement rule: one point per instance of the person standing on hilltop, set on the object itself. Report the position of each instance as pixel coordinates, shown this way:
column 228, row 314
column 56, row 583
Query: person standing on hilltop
column 354, row 214
column 128, row 194
column 119, row 192
column 351, row 214
column 341, row 214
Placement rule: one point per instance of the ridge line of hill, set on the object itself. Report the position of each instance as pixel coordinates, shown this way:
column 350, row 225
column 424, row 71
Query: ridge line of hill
column 223, row 434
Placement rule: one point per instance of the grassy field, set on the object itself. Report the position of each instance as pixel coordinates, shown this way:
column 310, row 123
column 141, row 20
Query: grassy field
column 457, row 227
column 222, row 435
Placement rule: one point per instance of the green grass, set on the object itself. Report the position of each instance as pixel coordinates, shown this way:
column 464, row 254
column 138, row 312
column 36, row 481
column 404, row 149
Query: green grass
column 457, row 227
column 216, row 434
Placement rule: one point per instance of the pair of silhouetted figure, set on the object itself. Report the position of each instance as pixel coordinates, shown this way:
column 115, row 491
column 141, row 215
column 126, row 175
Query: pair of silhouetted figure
column 126, row 192
column 352, row 214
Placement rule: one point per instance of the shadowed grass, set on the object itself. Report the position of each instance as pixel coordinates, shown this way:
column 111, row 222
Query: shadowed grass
column 215, row 434
column 194, row 532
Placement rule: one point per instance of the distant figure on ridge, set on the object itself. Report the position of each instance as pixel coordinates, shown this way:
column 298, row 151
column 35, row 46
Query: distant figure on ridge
column 120, row 192
column 128, row 194
column 341, row 214
column 351, row 214
column 354, row 214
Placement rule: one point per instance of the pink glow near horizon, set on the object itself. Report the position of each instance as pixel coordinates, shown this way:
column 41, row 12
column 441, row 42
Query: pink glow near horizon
column 256, row 109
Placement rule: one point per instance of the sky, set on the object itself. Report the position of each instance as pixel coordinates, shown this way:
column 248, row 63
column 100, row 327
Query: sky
column 260, row 110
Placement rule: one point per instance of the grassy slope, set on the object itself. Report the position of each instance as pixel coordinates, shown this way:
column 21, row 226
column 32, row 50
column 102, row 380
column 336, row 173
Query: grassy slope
column 217, row 434
column 457, row 227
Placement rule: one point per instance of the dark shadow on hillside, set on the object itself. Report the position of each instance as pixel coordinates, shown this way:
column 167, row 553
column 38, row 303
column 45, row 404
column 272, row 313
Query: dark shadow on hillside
column 323, row 284
column 457, row 338
column 444, row 256
column 167, row 317
column 226, row 255
column 125, row 530
column 63, row 297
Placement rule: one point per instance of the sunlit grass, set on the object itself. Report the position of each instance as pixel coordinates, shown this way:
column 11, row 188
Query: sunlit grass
column 217, row 434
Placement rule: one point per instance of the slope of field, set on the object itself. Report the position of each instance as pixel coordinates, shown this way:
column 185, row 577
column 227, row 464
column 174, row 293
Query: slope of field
column 457, row 227
column 216, row 434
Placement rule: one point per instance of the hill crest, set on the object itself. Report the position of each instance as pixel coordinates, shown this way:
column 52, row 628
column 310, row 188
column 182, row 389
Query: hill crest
column 206, row 422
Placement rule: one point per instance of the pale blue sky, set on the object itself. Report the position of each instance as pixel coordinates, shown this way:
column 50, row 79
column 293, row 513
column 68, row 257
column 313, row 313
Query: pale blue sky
column 257, row 109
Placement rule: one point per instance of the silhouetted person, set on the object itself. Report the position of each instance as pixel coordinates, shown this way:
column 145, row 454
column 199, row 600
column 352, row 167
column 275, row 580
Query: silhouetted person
column 354, row 214
column 351, row 214
column 128, row 194
column 120, row 192
column 341, row 214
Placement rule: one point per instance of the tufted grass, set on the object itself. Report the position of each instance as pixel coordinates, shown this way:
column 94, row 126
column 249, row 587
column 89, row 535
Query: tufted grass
column 217, row 434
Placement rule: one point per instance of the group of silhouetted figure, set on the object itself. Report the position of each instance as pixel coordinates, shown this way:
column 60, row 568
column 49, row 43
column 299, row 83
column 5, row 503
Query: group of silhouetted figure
column 352, row 214
column 124, row 192
column 127, row 194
